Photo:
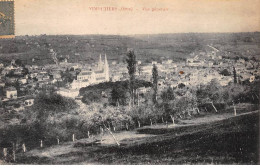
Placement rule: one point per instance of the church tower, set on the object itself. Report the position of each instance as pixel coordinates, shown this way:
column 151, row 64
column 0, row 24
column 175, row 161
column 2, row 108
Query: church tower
column 100, row 63
column 106, row 68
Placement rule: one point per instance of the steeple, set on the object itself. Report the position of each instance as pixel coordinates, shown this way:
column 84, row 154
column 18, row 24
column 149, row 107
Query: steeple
column 100, row 63
column 100, row 59
column 106, row 60
column 106, row 68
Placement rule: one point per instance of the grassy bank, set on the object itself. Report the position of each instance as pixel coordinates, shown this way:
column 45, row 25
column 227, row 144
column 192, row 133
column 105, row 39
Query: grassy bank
column 229, row 141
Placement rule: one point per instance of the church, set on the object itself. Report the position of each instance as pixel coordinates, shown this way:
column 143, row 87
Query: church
column 90, row 77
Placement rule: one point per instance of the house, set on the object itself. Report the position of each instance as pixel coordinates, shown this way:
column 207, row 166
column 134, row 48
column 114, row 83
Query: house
column 11, row 93
column 22, row 80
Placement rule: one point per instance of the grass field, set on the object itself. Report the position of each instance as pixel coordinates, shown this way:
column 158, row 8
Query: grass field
column 230, row 140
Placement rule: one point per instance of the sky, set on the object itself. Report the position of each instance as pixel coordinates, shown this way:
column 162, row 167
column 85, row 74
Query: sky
column 35, row 17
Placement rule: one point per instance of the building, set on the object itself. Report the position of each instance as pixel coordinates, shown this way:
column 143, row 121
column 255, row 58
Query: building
column 89, row 77
column 11, row 93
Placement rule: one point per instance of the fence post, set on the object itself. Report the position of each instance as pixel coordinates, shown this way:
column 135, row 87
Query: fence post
column 73, row 137
column 235, row 111
column 126, row 126
column 101, row 130
column 109, row 126
column 58, row 141
column 13, row 151
column 172, row 119
column 139, row 125
column 41, row 145
column 5, row 152
column 88, row 134
column 166, row 124
column 162, row 120
column 114, row 127
column 24, row 147
column 151, row 122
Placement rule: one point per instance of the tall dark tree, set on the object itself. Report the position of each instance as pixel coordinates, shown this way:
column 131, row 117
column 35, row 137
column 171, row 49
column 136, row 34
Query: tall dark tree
column 235, row 74
column 155, row 82
column 131, row 66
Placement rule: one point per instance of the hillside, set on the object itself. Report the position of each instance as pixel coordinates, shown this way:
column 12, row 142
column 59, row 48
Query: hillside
column 86, row 48
column 228, row 141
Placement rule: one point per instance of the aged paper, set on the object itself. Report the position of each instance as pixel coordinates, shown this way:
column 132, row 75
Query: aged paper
column 127, row 82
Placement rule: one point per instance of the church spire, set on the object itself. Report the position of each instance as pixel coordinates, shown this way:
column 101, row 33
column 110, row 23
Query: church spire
column 100, row 64
column 106, row 60
column 100, row 59
column 106, row 68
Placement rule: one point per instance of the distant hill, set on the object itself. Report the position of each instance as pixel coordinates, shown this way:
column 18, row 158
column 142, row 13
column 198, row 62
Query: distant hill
column 86, row 48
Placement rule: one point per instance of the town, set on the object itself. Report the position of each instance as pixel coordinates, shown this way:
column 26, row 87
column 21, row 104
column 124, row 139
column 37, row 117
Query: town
column 113, row 90
column 20, row 83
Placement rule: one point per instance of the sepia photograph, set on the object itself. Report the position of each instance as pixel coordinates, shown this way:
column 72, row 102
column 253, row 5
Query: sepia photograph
column 129, row 82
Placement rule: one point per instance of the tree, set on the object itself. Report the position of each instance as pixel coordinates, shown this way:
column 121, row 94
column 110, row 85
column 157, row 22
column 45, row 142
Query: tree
column 168, row 101
column 168, row 95
column 210, row 94
column 235, row 74
column 67, row 76
column 131, row 66
column 155, row 82
column 91, row 96
column 118, row 96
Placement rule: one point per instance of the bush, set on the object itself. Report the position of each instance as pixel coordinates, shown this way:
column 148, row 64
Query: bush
column 53, row 103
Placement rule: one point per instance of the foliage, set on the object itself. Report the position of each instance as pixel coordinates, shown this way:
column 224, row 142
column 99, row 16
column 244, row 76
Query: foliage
column 118, row 96
column 155, row 82
column 91, row 96
column 52, row 102
column 67, row 76
column 119, row 90
column 168, row 95
column 131, row 66
column 209, row 93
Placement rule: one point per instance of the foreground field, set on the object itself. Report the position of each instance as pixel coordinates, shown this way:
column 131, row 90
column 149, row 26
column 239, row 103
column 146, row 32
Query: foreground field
column 230, row 140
